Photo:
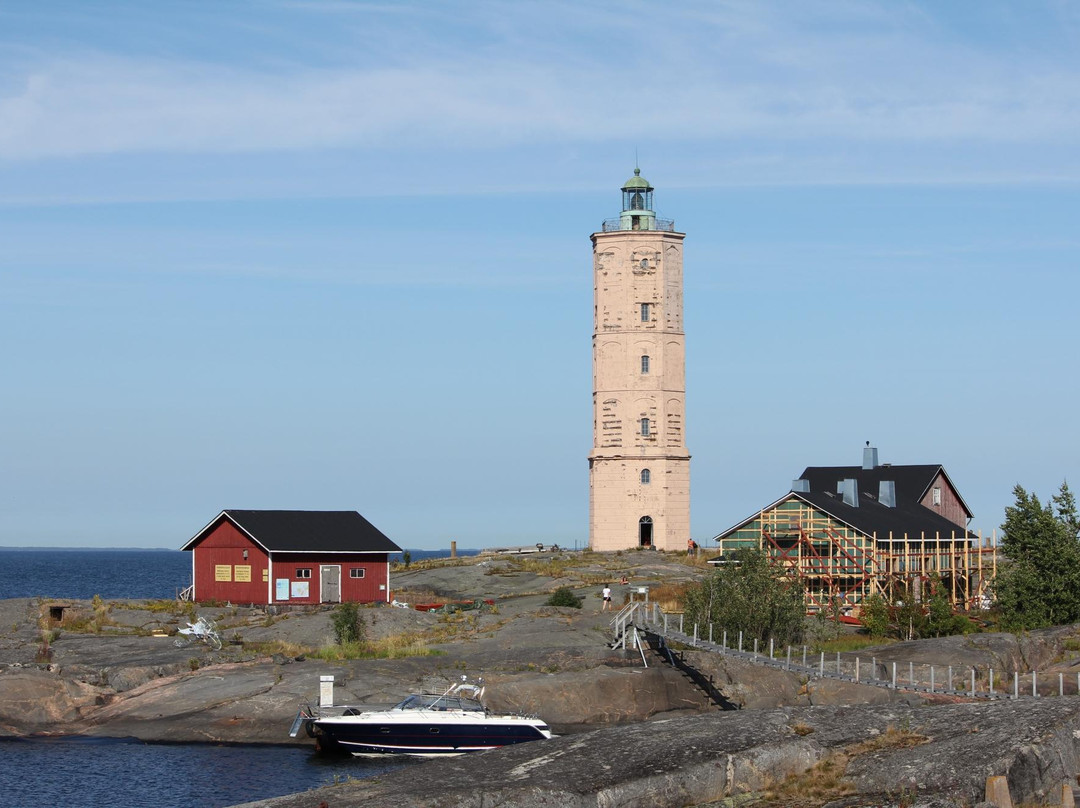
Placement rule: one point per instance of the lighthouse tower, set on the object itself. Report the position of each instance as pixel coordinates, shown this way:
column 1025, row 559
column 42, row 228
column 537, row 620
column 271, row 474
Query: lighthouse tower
column 639, row 468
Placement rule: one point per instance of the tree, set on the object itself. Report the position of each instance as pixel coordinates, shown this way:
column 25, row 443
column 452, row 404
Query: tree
column 909, row 615
column 1040, row 584
column 751, row 596
column 940, row 620
column 874, row 616
column 349, row 625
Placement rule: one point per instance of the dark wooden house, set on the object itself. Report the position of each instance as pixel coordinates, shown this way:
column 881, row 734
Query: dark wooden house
column 848, row 532
column 290, row 557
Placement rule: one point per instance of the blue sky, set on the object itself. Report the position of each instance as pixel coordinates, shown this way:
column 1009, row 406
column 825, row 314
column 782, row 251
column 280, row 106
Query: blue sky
column 336, row 254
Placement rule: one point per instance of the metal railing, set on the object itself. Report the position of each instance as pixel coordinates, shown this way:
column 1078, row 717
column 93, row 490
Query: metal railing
column 969, row 682
column 614, row 225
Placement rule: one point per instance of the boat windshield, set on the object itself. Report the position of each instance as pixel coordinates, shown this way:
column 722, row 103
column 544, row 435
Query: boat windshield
column 441, row 703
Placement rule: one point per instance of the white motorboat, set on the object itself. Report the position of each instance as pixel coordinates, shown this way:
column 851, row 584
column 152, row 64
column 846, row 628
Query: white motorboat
column 424, row 724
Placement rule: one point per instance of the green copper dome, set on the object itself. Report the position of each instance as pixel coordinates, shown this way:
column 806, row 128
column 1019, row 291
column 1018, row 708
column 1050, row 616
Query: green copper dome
column 637, row 182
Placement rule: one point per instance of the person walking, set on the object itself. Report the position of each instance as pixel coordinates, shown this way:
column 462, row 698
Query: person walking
column 606, row 595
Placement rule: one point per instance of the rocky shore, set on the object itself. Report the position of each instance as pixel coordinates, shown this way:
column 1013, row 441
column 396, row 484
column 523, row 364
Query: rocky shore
column 631, row 735
column 117, row 679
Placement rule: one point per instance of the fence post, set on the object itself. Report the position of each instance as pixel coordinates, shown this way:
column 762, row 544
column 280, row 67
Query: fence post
column 710, row 633
column 911, row 673
column 723, row 642
column 1016, row 685
column 822, row 668
column 837, row 663
column 1034, row 686
column 788, row 666
column 991, row 682
column 680, row 624
column 665, row 624
column 873, row 668
column 856, row 670
column 804, row 665
column 695, row 636
column 740, row 642
column 770, row 648
column 973, row 683
column 949, row 688
column 931, row 678
column 1061, row 684
column 894, row 676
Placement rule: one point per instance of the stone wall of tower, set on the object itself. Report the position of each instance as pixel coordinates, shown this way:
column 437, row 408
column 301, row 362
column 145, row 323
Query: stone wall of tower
column 638, row 373
column 618, row 500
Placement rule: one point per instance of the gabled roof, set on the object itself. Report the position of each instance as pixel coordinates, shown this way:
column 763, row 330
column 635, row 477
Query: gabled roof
column 304, row 531
column 912, row 482
column 871, row 517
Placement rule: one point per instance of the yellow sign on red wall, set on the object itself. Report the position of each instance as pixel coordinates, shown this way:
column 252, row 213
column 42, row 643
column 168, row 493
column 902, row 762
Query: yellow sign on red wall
column 223, row 572
column 242, row 573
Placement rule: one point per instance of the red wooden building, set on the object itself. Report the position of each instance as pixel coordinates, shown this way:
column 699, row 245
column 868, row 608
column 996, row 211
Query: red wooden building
column 290, row 557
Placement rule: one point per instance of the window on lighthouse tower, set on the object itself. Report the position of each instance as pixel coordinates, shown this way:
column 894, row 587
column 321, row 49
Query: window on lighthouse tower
column 644, row 364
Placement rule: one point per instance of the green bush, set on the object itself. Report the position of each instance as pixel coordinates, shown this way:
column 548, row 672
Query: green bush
column 349, row 625
column 754, row 596
column 874, row 616
column 564, row 596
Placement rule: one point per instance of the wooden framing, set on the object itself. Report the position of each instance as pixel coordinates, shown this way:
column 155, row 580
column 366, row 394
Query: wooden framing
column 838, row 562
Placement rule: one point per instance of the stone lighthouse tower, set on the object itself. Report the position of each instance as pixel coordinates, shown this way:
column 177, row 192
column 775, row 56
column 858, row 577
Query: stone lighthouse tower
column 639, row 468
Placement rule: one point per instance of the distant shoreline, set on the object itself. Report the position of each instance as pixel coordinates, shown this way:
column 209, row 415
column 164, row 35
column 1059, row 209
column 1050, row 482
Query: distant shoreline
column 64, row 549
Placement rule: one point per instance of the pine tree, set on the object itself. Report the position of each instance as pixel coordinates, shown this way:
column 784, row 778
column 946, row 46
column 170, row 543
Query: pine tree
column 1040, row 585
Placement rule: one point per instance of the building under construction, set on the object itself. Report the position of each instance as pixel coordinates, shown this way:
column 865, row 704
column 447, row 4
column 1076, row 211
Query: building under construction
column 851, row 531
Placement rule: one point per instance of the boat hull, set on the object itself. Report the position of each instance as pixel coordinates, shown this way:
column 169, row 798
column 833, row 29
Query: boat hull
column 427, row 738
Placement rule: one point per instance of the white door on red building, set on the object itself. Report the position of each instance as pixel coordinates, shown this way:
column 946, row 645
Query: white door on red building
column 330, row 577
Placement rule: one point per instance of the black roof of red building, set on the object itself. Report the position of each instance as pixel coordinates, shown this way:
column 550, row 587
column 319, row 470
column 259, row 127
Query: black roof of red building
column 304, row 531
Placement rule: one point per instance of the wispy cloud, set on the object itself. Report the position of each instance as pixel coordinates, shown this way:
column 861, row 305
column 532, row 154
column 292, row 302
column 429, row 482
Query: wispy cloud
column 726, row 72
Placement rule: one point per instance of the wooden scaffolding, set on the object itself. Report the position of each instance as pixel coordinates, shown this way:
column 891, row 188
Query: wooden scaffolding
column 841, row 565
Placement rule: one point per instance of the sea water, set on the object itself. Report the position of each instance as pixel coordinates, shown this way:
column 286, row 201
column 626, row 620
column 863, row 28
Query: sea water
column 96, row 773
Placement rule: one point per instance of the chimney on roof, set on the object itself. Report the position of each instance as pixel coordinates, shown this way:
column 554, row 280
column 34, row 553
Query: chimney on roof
column 869, row 457
column 887, row 493
column 850, row 490
column 801, row 485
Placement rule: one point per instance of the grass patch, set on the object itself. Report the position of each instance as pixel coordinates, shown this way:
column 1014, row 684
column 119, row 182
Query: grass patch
column 455, row 626
column 271, row 647
column 849, row 642
column 396, row 646
column 671, row 597
column 432, row 563
column 80, row 621
column 699, row 561
column 825, row 781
